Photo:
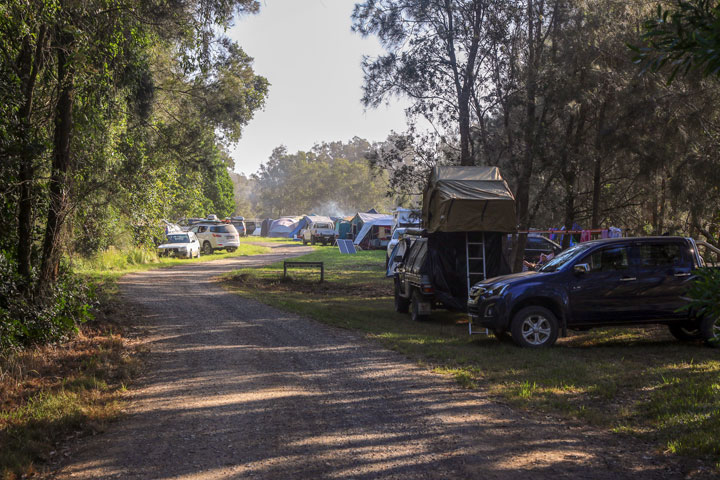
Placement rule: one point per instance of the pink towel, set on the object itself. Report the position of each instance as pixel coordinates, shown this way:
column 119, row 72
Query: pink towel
column 585, row 236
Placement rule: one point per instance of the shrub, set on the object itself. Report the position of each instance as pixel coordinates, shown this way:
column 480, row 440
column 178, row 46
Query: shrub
column 26, row 319
column 704, row 293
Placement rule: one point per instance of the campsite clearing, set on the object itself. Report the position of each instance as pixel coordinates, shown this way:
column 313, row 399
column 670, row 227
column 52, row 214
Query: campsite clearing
column 631, row 381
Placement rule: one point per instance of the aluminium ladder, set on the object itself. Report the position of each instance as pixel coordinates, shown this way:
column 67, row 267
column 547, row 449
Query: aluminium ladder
column 475, row 269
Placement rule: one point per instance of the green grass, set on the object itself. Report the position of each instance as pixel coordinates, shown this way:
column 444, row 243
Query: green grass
column 113, row 263
column 254, row 239
column 631, row 381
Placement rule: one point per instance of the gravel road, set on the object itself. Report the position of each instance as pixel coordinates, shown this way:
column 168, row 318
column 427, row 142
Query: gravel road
column 238, row 389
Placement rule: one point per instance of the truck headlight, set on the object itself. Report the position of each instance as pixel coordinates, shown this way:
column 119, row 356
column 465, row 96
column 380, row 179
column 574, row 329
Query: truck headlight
column 497, row 290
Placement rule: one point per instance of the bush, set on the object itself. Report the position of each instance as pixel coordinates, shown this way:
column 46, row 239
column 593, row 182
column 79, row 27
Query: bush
column 705, row 293
column 26, row 319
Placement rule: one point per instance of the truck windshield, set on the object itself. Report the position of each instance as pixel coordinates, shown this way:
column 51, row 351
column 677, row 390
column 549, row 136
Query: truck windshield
column 563, row 258
column 322, row 225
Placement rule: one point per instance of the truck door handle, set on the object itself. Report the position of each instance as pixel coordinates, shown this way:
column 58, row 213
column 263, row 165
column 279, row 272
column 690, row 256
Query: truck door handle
column 628, row 279
column 685, row 274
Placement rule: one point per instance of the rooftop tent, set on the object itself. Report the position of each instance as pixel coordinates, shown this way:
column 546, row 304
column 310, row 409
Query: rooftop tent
column 283, row 227
column 363, row 235
column 468, row 199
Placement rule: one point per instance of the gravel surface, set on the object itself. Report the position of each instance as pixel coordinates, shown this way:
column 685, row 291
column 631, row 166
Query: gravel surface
column 238, row 389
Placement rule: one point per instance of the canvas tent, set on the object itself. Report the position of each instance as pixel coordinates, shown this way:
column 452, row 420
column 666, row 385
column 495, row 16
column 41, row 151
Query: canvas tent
column 343, row 227
column 468, row 199
column 283, row 227
column 265, row 227
column 360, row 219
column 373, row 235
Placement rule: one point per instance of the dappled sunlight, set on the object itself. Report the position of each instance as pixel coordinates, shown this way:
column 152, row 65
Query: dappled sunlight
column 238, row 389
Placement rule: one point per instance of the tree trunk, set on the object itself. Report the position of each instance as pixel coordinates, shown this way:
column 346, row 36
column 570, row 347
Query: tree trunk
column 29, row 65
column 59, row 186
column 522, row 196
column 597, row 171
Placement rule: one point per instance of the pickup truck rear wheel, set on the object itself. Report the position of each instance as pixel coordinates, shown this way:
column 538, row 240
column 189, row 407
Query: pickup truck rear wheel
column 312, row 241
column 534, row 327
column 685, row 333
column 710, row 330
column 401, row 304
column 415, row 302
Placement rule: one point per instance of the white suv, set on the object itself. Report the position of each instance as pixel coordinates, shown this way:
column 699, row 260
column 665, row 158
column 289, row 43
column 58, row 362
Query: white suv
column 216, row 236
column 180, row 244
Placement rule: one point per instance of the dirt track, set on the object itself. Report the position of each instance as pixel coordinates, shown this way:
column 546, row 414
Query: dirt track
column 237, row 389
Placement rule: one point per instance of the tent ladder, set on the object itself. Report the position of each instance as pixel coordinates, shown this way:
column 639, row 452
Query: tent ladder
column 478, row 251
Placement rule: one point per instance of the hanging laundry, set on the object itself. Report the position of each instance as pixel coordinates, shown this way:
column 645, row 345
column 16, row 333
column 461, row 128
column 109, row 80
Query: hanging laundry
column 585, row 236
column 605, row 233
column 615, row 232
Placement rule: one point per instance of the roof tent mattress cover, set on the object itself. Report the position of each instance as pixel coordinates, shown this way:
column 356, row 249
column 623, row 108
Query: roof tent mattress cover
column 468, row 199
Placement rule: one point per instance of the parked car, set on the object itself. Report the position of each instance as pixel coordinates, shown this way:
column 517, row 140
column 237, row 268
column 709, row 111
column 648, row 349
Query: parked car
column 239, row 224
column 216, row 236
column 624, row 281
column 180, row 244
column 538, row 245
column 320, row 230
column 397, row 233
column 250, row 226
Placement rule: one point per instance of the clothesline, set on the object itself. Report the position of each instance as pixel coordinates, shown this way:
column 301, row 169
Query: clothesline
column 565, row 232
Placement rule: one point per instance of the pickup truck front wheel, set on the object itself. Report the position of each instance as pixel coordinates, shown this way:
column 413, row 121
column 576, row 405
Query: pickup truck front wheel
column 710, row 330
column 401, row 304
column 534, row 327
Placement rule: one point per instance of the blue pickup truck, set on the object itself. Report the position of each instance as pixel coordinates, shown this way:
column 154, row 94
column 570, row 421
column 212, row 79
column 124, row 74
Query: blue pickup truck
column 623, row 281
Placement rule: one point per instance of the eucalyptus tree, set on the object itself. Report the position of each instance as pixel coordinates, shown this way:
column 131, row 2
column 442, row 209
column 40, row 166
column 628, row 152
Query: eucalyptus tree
column 436, row 52
column 90, row 117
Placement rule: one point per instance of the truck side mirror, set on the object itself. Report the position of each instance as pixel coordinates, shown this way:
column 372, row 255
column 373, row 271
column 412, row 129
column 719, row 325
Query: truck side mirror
column 581, row 268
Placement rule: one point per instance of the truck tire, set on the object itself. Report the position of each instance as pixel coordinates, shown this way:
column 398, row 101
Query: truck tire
column 685, row 332
column 415, row 301
column 534, row 327
column 312, row 240
column 207, row 248
column 401, row 304
column 710, row 330
column 304, row 241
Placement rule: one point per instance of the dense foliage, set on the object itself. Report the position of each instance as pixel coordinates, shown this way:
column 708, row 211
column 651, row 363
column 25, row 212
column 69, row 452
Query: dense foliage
column 558, row 102
column 112, row 117
column 331, row 179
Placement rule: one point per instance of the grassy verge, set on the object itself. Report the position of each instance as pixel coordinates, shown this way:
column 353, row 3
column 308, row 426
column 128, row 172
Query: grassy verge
column 49, row 394
column 255, row 239
column 112, row 264
column 633, row 381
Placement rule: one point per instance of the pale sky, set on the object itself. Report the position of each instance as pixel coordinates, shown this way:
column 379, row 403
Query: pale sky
column 312, row 60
